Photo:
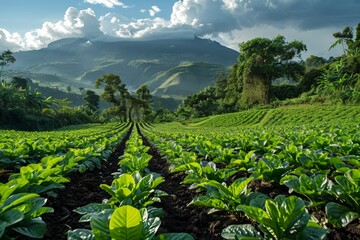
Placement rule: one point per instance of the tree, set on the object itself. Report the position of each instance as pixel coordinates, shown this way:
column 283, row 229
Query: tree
column 92, row 100
column 343, row 38
column 114, row 92
column 314, row 62
column 200, row 104
column 143, row 94
column 5, row 59
column 340, row 81
column 19, row 82
column 263, row 60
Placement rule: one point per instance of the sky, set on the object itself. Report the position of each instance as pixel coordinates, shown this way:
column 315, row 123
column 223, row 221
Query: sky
column 27, row 25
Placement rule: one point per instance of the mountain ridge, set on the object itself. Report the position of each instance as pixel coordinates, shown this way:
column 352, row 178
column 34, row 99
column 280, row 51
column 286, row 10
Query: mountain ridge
column 78, row 62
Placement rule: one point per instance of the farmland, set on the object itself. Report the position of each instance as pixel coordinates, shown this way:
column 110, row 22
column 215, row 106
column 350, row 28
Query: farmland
column 285, row 173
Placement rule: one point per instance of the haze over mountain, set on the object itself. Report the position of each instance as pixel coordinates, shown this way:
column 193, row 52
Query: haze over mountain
column 174, row 67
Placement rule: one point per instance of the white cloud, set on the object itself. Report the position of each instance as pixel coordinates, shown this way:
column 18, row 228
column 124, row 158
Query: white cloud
column 110, row 23
column 76, row 23
column 205, row 16
column 108, row 3
column 154, row 10
column 10, row 41
column 141, row 27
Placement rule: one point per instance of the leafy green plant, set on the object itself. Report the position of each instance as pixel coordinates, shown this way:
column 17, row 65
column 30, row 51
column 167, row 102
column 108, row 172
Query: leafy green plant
column 130, row 163
column 315, row 187
column 41, row 180
column 347, row 191
column 219, row 196
column 134, row 190
column 282, row 218
column 135, row 157
column 21, row 212
column 125, row 223
column 204, row 171
column 244, row 160
column 270, row 168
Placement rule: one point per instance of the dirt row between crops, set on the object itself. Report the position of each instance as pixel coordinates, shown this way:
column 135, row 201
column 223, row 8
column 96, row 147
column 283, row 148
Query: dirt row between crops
column 178, row 215
column 83, row 188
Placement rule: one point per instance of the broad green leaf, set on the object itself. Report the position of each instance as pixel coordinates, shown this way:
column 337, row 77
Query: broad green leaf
column 91, row 208
column 2, row 228
column 11, row 217
column 34, row 228
column 45, row 188
column 33, row 204
column 42, row 211
column 256, row 199
column 274, row 222
column 239, row 186
column 100, row 224
column 295, row 217
column 151, row 224
column 240, row 232
column 126, row 224
column 353, row 176
column 313, row 231
column 208, row 202
column 17, row 199
column 339, row 215
column 80, row 234
column 11, row 187
column 218, row 186
column 255, row 213
column 125, row 180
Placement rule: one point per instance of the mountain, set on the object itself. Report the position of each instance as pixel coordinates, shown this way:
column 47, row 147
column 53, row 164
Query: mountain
column 173, row 67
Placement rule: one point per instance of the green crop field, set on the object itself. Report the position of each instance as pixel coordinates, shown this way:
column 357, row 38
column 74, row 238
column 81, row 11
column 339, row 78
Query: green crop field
column 285, row 173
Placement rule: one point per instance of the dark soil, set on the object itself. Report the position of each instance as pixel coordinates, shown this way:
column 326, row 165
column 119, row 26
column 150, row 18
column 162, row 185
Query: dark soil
column 83, row 188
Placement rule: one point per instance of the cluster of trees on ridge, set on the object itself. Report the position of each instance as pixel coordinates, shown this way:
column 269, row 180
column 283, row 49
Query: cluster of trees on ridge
column 249, row 84
column 262, row 60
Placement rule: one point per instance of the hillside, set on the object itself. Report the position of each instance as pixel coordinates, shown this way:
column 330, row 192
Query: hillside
column 172, row 67
column 285, row 116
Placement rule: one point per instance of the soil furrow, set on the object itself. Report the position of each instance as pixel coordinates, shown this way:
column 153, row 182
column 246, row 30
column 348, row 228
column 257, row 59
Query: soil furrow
column 178, row 215
column 83, row 188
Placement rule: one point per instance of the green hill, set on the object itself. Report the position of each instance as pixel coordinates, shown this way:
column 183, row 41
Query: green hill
column 295, row 116
column 186, row 79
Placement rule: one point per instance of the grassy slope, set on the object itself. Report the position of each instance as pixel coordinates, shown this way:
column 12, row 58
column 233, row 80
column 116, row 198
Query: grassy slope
column 296, row 115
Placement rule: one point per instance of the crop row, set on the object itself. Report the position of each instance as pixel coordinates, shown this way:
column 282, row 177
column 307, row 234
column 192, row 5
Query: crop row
column 290, row 116
column 21, row 148
column 129, row 212
column 22, row 202
column 320, row 165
